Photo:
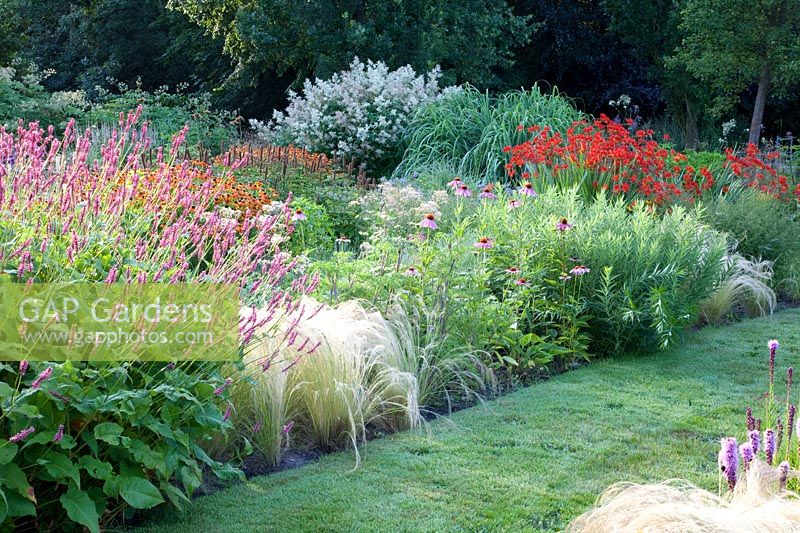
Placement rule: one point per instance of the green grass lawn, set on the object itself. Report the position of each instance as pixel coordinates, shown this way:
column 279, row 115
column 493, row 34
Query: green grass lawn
column 531, row 460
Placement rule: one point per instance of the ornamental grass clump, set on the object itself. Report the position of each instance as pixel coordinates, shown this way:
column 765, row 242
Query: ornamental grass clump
column 87, row 442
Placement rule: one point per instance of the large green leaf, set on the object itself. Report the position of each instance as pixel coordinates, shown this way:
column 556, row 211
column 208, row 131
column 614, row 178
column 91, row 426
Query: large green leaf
column 80, row 508
column 13, row 477
column 19, row 506
column 96, row 468
column 3, row 506
column 139, row 492
column 61, row 467
column 108, row 432
column 7, row 452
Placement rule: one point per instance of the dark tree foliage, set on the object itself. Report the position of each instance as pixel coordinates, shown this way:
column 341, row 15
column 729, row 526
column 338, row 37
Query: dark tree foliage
column 248, row 53
column 575, row 50
column 90, row 41
column 470, row 39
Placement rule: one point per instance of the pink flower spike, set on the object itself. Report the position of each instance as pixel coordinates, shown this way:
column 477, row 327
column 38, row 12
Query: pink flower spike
column 59, row 434
column 287, row 427
column 22, row 435
column 44, row 375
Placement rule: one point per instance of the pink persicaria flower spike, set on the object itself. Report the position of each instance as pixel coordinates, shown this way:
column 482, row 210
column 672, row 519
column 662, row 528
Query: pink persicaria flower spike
column 513, row 204
column 522, row 282
column 512, row 270
column 428, row 221
column 287, row 427
column 59, row 433
column 580, row 270
column 43, row 376
column 22, row 435
column 487, row 193
column 484, row 242
column 23, row 367
column 463, row 190
column 413, row 272
column 563, row 224
column 298, row 215
column 455, row 184
column 527, row 189
column 729, row 460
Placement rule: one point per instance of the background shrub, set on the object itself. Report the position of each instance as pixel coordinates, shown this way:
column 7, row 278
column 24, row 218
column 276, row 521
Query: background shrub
column 360, row 113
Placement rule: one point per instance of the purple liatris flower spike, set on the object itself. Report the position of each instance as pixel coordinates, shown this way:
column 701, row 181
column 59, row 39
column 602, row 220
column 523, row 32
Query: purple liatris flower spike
column 23, row 367
column 769, row 445
column 22, row 435
column 746, row 451
column 754, row 437
column 773, row 346
column 778, row 434
column 729, row 460
column 783, row 470
column 790, row 422
column 758, row 424
column 43, row 376
column 59, row 433
column 751, row 422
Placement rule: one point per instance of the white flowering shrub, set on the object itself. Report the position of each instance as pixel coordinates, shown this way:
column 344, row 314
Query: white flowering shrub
column 359, row 113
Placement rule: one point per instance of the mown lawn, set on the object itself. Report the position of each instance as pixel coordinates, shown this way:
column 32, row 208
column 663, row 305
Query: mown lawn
column 531, row 460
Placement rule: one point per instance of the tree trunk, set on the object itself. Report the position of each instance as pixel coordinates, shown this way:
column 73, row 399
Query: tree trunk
column 690, row 133
column 761, row 101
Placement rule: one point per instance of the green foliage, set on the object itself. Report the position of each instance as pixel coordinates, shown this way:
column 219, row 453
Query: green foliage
column 317, row 38
column 167, row 113
column 648, row 275
column 465, row 132
column 106, row 438
column 763, row 229
column 22, row 96
column 313, row 235
column 729, row 43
